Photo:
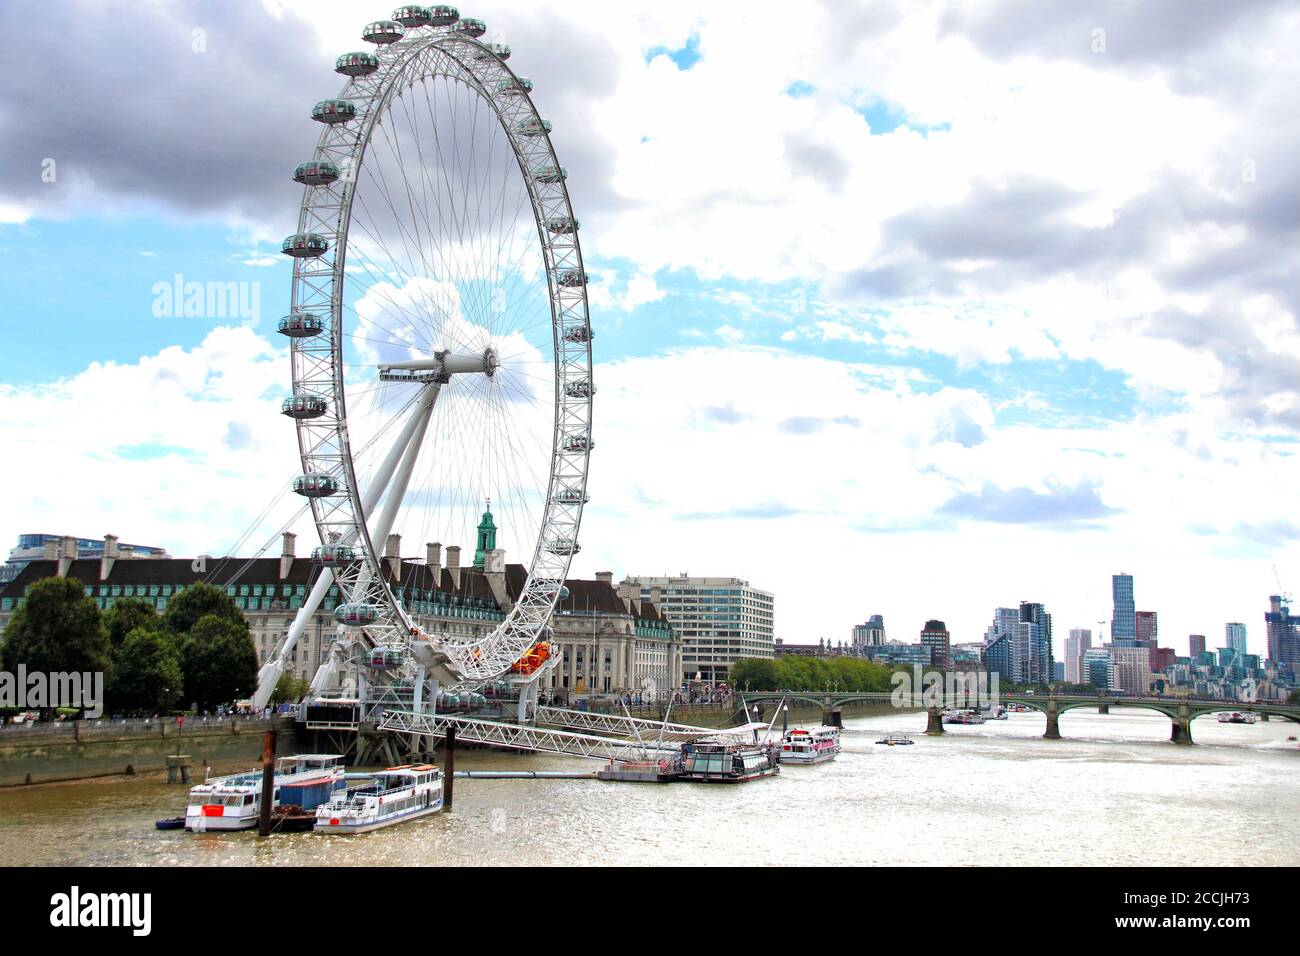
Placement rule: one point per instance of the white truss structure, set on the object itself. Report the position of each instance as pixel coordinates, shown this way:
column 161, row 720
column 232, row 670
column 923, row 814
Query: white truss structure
column 613, row 724
column 348, row 517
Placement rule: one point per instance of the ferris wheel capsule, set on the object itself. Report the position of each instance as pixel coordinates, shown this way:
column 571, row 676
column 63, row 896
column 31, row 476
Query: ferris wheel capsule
column 493, row 51
column 562, row 546
column 578, row 443
column 572, row 496
column 301, row 325
column 470, row 27
column 562, row 225
column 515, row 86
column 333, row 555
column 533, row 126
column 578, row 334
column 304, row 406
column 580, row 389
column 571, row 278
column 442, row 15
column 315, row 173
column 550, row 175
column 331, row 112
column 356, row 615
column 305, row 245
column 356, row 64
column 316, row 485
column 383, row 32
column 412, row 16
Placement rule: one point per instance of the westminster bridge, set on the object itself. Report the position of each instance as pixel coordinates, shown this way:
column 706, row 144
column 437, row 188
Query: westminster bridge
column 1181, row 711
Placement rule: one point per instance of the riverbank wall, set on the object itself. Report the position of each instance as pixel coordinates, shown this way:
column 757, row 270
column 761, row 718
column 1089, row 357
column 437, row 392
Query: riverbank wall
column 77, row 750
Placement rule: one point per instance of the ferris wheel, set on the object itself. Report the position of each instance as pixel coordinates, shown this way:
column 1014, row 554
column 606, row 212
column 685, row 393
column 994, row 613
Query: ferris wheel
column 440, row 340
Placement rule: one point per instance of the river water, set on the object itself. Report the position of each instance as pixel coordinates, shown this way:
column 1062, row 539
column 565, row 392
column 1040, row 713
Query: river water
column 1114, row 792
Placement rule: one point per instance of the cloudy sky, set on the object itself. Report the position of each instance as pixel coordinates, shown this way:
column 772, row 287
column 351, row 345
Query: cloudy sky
column 910, row 309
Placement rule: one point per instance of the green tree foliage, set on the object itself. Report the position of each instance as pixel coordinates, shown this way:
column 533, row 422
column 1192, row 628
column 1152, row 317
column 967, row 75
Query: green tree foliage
column 289, row 690
column 196, row 601
column 147, row 677
column 58, row 628
column 218, row 661
column 811, row 674
column 126, row 615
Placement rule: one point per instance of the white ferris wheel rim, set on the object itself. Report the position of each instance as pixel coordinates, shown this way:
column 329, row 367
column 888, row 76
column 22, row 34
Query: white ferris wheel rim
column 319, row 284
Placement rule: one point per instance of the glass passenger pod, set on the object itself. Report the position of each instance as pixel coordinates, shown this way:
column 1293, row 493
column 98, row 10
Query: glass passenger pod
column 572, row 496
column 316, row 486
column 301, row 325
column 562, row 546
column 577, row 443
column 580, row 389
column 356, row 615
column 470, row 27
column 333, row 555
column 358, row 63
column 490, row 50
column 533, row 126
column 549, row 175
column 383, row 658
column 563, row 225
column 315, row 173
column 515, row 86
column 331, row 112
column 382, row 32
column 412, row 16
column 303, row 406
column 443, row 15
column 305, row 245
column 578, row 333
column 572, row 278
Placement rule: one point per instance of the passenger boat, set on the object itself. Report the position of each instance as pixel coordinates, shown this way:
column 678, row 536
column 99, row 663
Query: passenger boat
column 962, row 717
column 993, row 712
column 727, row 762
column 234, row 802
column 895, row 740
column 396, row 795
column 810, row 746
column 1237, row 717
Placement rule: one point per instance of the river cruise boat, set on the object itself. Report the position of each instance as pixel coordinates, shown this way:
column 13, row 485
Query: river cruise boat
column 727, row 762
column 962, row 717
column 1237, row 717
column 394, row 796
column 234, row 802
column 810, row 746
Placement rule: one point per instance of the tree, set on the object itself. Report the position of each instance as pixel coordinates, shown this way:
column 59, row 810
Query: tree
column 57, row 629
column 218, row 661
column 147, row 676
column 1294, row 698
column 126, row 615
column 197, row 601
column 289, row 690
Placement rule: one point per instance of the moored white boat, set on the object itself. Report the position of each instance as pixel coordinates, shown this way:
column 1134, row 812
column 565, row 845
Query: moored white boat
column 1237, row 717
column 234, row 802
column 810, row 746
column 396, row 795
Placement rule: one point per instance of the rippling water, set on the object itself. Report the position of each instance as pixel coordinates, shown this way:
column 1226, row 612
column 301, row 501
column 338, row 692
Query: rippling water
column 1114, row 792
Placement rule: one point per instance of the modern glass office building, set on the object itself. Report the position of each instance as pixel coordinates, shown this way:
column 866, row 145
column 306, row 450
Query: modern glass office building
column 1123, row 620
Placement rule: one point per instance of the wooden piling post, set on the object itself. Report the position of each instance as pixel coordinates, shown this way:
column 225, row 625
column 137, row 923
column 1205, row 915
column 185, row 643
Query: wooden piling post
column 268, row 783
column 448, row 767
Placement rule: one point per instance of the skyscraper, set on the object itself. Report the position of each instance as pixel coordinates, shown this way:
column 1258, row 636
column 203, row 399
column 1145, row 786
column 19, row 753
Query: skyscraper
column 1035, row 639
column 1123, row 619
column 935, row 636
column 1146, row 628
column 1235, row 633
column 1283, row 637
column 1080, row 640
column 1196, row 645
column 871, row 634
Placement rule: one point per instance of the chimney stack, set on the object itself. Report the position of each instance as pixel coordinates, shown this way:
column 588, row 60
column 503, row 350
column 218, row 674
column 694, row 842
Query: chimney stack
column 393, row 554
column 287, row 553
column 67, row 554
column 453, row 565
column 657, row 597
column 50, row 550
column 110, row 557
column 433, row 558
column 605, row 577
column 494, row 569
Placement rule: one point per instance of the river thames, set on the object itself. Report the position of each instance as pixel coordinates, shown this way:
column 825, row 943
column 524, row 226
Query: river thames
column 1114, row 792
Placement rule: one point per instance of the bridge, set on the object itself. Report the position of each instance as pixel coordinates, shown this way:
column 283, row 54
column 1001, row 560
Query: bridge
column 1180, row 710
